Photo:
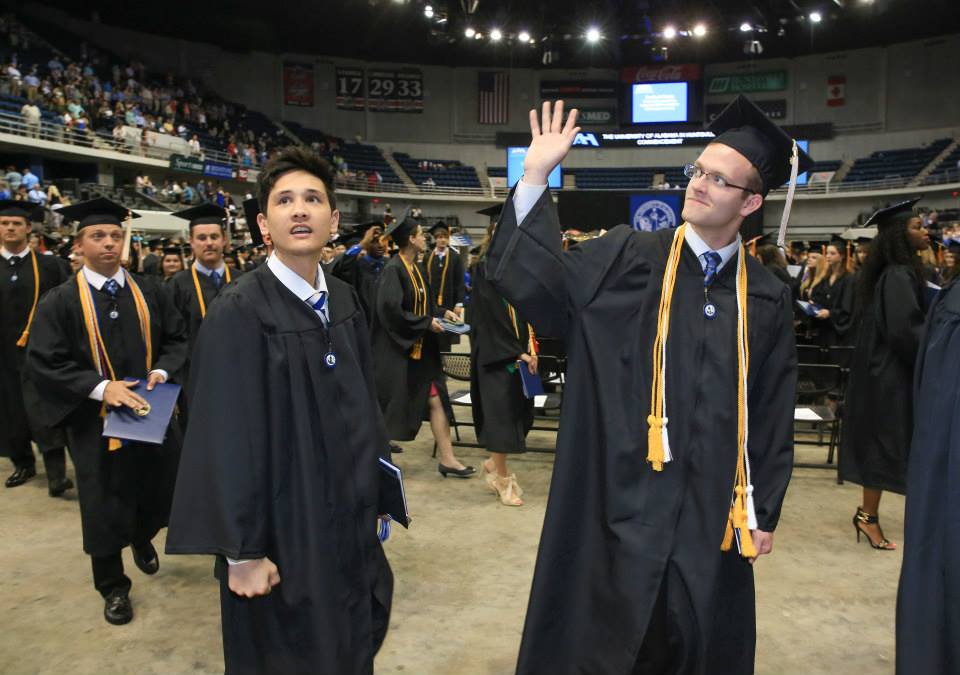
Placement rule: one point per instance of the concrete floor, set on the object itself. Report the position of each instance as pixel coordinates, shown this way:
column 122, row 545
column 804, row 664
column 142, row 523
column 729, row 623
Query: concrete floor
column 463, row 571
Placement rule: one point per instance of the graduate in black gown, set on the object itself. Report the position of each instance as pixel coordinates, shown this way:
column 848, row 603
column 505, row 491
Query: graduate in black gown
column 25, row 277
column 879, row 407
column 444, row 268
column 834, row 294
column 406, row 352
column 172, row 263
column 499, row 339
column 360, row 265
column 287, row 499
column 928, row 611
column 654, row 515
column 104, row 325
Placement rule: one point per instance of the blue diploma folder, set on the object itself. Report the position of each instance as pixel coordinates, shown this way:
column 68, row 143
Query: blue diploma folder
column 393, row 498
column 455, row 328
column 532, row 384
column 125, row 424
column 809, row 308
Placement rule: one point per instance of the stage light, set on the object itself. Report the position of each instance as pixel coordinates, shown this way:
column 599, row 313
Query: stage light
column 593, row 35
column 469, row 32
column 699, row 30
column 669, row 33
column 745, row 27
column 524, row 36
column 816, row 17
column 428, row 11
column 496, row 35
column 478, row 36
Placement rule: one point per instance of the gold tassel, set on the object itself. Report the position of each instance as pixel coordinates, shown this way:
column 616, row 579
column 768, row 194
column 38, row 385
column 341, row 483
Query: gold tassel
column 728, row 532
column 655, row 442
column 25, row 335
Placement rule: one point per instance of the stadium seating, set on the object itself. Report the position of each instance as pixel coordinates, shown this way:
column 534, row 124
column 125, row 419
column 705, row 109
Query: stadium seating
column 946, row 168
column 443, row 172
column 893, row 164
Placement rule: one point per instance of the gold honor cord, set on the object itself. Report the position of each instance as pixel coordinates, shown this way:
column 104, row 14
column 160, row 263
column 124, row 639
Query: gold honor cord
column 419, row 303
column 22, row 341
column 658, row 449
column 196, row 285
column 515, row 322
column 98, row 350
column 443, row 274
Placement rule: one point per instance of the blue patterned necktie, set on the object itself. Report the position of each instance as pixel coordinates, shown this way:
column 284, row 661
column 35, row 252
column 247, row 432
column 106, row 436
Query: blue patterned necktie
column 111, row 287
column 216, row 278
column 713, row 263
column 319, row 303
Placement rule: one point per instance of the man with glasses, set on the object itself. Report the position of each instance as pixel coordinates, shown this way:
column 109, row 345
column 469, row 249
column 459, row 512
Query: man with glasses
column 669, row 479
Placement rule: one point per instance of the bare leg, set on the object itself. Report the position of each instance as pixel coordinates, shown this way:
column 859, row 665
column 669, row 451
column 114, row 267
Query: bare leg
column 871, row 506
column 440, row 426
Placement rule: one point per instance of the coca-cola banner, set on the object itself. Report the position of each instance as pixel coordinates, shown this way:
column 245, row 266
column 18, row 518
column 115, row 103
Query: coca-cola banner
column 679, row 72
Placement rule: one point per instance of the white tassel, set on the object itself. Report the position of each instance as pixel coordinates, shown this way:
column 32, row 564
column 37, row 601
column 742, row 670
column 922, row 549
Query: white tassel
column 751, row 510
column 788, row 203
column 667, row 455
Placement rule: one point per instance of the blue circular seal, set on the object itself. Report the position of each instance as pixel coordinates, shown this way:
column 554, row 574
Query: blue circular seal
column 709, row 310
column 330, row 359
column 654, row 215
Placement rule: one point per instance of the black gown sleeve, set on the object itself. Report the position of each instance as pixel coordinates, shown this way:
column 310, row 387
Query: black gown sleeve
column 527, row 265
column 772, row 399
column 404, row 327
column 841, row 305
column 63, row 380
column 456, row 280
column 899, row 314
column 497, row 341
column 222, row 500
column 172, row 355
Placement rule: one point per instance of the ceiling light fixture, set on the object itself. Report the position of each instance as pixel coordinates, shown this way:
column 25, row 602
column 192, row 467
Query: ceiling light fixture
column 699, row 30
column 469, row 32
column 593, row 35
column 496, row 35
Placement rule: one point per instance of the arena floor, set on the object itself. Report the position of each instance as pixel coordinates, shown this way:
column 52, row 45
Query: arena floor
column 463, row 571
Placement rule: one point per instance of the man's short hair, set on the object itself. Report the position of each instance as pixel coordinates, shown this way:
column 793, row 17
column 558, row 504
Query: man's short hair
column 295, row 158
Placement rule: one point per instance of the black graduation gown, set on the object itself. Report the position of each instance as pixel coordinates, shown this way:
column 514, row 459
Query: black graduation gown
column 617, row 534
column 292, row 477
column 363, row 273
column 879, row 406
column 928, row 601
column 125, row 494
column 18, row 425
column 184, row 295
column 837, row 297
column 502, row 414
column 152, row 265
column 445, row 278
column 403, row 384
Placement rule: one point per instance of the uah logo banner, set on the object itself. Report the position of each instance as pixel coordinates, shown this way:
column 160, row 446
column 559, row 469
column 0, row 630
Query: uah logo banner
column 649, row 213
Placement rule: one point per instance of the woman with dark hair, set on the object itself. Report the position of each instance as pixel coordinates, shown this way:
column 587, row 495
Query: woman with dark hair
column 879, row 411
column 501, row 342
column 406, row 353
column 171, row 262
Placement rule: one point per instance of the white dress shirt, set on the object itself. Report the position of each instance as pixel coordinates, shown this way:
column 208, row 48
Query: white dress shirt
column 207, row 271
column 7, row 254
column 97, row 280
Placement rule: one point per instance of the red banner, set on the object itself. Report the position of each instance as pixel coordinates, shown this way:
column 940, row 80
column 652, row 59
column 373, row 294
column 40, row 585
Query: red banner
column 298, row 84
column 836, row 90
column 680, row 72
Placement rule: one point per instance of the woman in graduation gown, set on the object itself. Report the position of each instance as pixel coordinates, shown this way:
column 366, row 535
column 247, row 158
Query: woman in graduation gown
column 499, row 338
column 280, row 468
column 89, row 334
column 928, row 601
column 406, row 352
column 638, row 570
column 834, row 293
column 879, row 406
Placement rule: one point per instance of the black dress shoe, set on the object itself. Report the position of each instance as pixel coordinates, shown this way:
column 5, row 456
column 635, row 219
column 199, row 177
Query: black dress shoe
column 117, row 608
column 58, row 486
column 146, row 558
column 395, row 449
column 465, row 472
column 21, row 476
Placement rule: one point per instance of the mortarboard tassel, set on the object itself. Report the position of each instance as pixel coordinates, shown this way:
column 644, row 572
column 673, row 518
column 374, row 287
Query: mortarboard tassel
column 788, row 203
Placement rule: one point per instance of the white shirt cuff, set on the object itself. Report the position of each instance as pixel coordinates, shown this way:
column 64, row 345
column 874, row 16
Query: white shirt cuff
column 231, row 561
column 166, row 375
column 97, row 393
column 525, row 197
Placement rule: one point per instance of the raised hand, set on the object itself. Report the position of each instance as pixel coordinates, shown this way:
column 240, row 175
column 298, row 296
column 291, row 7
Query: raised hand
column 551, row 141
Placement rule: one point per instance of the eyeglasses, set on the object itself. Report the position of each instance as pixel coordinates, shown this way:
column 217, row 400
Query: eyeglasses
column 692, row 171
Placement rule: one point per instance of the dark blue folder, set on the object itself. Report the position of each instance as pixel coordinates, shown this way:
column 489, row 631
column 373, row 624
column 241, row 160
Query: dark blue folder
column 125, row 424
column 393, row 498
column 532, row 384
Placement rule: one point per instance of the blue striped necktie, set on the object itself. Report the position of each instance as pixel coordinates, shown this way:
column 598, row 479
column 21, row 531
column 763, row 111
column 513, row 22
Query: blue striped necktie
column 713, row 260
column 112, row 287
column 216, row 278
column 319, row 303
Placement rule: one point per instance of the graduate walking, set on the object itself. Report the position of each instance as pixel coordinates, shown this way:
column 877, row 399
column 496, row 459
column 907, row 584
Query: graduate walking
column 286, row 497
column 676, row 438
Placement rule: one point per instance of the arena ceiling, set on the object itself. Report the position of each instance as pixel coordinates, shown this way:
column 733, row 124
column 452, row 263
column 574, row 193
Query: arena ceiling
column 627, row 32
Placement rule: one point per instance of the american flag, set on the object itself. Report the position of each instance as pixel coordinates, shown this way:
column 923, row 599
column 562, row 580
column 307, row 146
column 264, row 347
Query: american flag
column 494, row 97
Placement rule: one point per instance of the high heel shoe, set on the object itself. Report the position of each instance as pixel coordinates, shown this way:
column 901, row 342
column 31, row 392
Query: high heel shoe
column 867, row 519
column 507, row 489
column 490, row 478
column 465, row 472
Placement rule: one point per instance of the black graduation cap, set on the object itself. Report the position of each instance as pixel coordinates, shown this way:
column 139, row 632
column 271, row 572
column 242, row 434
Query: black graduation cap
column 158, row 241
column 798, row 246
column 401, row 228
column 439, row 225
column 362, row 228
column 204, row 214
column 762, row 240
column 50, row 239
column 21, row 209
column 491, row 211
column 251, row 209
column 954, row 247
column 99, row 211
column 175, row 250
column 475, row 250
column 348, row 239
column 745, row 128
column 884, row 216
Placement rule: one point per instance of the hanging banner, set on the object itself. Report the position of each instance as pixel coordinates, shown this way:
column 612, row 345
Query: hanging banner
column 351, row 89
column 775, row 80
column 569, row 89
column 395, row 90
column 680, row 72
column 298, row 84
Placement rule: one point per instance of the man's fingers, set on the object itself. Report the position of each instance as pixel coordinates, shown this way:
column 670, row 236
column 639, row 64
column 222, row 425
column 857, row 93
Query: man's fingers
column 545, row 121
column 534, row 123
column 129, row 385
column 556, row 122
column 571, row 121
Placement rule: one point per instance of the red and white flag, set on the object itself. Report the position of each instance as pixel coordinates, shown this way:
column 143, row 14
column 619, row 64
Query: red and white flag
column 493, row 95
column 836, row 90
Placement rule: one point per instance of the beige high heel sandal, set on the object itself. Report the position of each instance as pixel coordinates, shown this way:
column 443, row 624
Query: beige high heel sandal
column 508, row 490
